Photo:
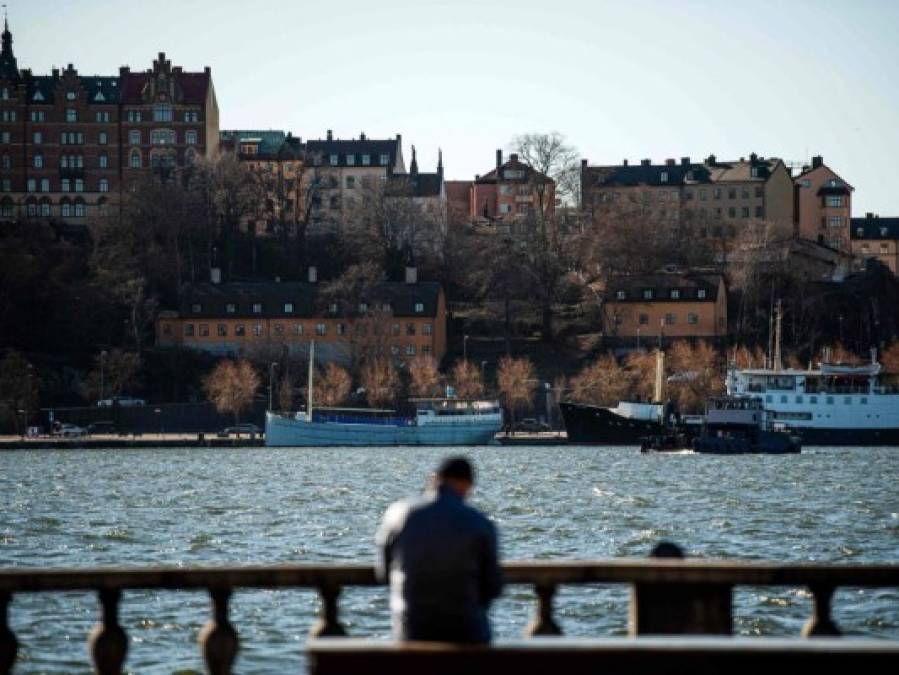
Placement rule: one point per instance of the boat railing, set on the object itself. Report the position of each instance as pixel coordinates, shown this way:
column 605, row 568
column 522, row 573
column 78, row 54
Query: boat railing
column 668, row 596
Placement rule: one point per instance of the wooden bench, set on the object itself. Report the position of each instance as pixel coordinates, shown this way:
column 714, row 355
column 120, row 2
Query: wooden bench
column 611, row 656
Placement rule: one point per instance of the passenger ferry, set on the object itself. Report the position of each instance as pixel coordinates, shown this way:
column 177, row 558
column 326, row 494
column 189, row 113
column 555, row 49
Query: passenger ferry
column 833, row 405
column 437, row 421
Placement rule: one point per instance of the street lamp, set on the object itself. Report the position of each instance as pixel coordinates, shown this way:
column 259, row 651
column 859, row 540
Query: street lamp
column 158, row 413
column 271, row 380
column 102, row 371
column 465, row 348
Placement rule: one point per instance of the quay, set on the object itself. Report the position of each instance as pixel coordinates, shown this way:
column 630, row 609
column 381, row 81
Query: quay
column 688, row 601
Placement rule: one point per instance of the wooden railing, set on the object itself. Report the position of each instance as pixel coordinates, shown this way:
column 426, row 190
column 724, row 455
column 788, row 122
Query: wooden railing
column 669, row 596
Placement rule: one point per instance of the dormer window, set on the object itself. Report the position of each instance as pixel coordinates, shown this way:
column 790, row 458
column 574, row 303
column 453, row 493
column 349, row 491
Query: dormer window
column 230, row 308
column 385, row 159
column 257, row 308
column 883, row 231
column 288, row 308
column 363, row 307
column 647, row 294
column 860, row 231
column 350, row 160
column 332, row 308
column 334, row 160
column 621, row 295
column 701, row 294
column 675, row 294
column 196, row 308
column 755, row 172
column 419, row 307
column 663, row 177
column 366, row 160
column 71, row 95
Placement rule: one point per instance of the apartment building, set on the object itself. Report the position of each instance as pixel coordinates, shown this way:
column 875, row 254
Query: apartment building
column 511, row 191
column 823, row 205
column 276, row 159
column 268, row 319
column 69, row 143
column 716, row 195
column 672, row 305
column 876, row 237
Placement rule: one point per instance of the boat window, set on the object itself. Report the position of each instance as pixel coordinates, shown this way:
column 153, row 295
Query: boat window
column 864, row 400
column 812, row 399
column 769, row 398
column 783, row 398
column 847, row 400
column 830, row 400
column 798, row 399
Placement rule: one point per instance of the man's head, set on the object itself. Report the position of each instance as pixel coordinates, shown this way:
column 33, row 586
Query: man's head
column 457, row 474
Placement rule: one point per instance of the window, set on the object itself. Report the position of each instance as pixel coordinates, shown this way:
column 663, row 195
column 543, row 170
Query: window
column 395, row 329
column 334, row 159
column 204, row 330
column 716, row 193
column 38, row 161
column 366, row 160
column 66, row 185
column 835, row 200
column 66, row 209
column 759, row 211
column 298, row 329
column 812, row 399
column 71, row 115
column 257, row 308
column 230, row 308
column 758, row 192
column 732, row 212
column 836, row 221
column 190, row 137
column 167, row 329
column 222, row 330
column 191, row 116
column 745, row 212
column 37, row 115
column 37, row 137
column 134, row 137
column 134, row 116
column 384, row 159
column 103, row 185
column 188, row 330
column 350, row 182
column 135, row 159
column 675, row 294
column 670, row 319
column 162, row 137
column 701, row 294
column 103, row 161
column 829, row 400
column 333, row 202
column 279, row 329
column 31, row 185
column 692, row 318
column 732, row 193
column 288, row 308
column 162, row 112
column 4, row 137
column 744, row 193
column 363, row 307
column 341, row 329
column 350, row 159
column 427, row 329
column 257, row 329
column 419, row 307
column 101, row 116
column 320, row 329
column 410, row 329
column 239, row 330
column 410, row 350
column 620, row 295
column 663, row 177
column 644, row 319
column 45, row 209
column 332, row 308
column 647, row 294
column 79, row 185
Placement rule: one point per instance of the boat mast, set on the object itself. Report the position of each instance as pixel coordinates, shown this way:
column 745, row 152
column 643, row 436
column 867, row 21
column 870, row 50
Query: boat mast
column 309, row 385
column 778, row 335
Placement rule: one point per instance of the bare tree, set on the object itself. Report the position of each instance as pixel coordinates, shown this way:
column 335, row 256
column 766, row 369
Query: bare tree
column 697, row 375
column 19, row 387
column 332, row 386
column 467, row 380
column 550, row 155
column 424, row 376
column 231, row 386
column 516, row 381
column 286, row 392
column 117, row 369
column 603, row 382
column 381, row 382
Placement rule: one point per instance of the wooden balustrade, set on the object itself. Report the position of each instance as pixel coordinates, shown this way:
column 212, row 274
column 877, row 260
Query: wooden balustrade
column 669, row 596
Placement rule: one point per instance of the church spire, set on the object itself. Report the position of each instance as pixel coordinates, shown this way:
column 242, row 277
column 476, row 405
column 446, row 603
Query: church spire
column 9, row 70
column 440, row 162
column 413, row 167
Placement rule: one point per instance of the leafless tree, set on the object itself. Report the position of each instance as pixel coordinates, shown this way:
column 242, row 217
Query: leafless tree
column 516, row 382
column 332, row 386
column 424, row 376
column 550, row 155
column 603, row 382
column 381, row 382
column 231, row 386
column 697, row 375
column 117, row 369
column 466, row 380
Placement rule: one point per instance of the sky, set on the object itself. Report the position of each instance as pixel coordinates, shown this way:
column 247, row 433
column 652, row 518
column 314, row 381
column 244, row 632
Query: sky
column 620, row 79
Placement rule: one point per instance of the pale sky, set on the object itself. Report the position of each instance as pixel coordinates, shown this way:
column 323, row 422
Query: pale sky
column 623, row 79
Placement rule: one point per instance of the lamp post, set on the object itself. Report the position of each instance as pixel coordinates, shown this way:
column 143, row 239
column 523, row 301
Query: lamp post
column 271, row 380
column 158, row 413
column 102, row 372
column 465, row 348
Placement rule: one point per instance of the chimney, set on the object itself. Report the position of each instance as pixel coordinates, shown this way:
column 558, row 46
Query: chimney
column 670, row 162
column 215, row 275
column 685, row 161
column 124, row 71
column 623, row 162
column 313, row 274
column 710, row 160
column 753, row 158
column 817, row 161
column 645, row 162
column 207, row 70
column 477, row 177
column 330, row 135
column 361, row 135
column 411, row 274
column 583, row 163
column 55, row 73
column 869, row 216
column 499, row 158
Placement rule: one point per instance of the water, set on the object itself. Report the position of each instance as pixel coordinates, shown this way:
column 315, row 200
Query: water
column 260, row 505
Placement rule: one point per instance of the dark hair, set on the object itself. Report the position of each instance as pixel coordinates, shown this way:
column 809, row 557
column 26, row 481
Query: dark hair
column 667, row 549
column 456, row 467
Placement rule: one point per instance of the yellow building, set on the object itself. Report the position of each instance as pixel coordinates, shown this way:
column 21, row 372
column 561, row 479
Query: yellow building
column 876, row 237
column 674, row 305
column 270, row 319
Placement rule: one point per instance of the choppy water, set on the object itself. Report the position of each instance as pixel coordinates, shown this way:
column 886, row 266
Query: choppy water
column 259, row 505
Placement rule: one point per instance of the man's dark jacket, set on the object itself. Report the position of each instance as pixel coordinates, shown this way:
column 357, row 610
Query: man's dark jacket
column 440, row 556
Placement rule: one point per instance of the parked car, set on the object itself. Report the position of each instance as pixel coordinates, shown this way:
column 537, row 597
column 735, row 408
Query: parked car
column 531, row 425
column 124, row 401
column 71, row 431
column 101, row 428
column 237, row 430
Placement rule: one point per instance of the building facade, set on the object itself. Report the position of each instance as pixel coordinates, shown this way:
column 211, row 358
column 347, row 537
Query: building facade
column 402, row 320
column 670, row 305
column 715, row 195
column 419, row 202
column 876, row 237
column 69, row 143
column 823, row 205
column 276, row 159
column 511, row 191
column 342, row 172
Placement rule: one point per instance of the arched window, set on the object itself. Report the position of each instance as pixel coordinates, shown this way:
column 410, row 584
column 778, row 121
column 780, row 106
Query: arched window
column 6, row 207
column 79, row 208
column 103, row 206
column 65, row 208
column 135, row 160
column 31, row 207
column 104, row 185
column 45, row 207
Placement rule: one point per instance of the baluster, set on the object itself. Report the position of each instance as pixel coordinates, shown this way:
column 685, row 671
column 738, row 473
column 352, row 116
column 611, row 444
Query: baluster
column 821, row 623
column 328, row 624
column 8, row 643
column 543, row 622
column 218, row 639
column 107, row 643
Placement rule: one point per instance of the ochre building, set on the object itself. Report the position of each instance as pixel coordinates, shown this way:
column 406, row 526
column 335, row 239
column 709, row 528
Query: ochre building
column 876, row 237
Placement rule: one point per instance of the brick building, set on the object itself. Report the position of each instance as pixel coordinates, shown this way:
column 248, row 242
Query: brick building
column 677, row 304
column 823, row 205
column 276, row 158
column 69, row 142
column 511, row 191
column 269, row 319
column 876, row 237
column 716, row 195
